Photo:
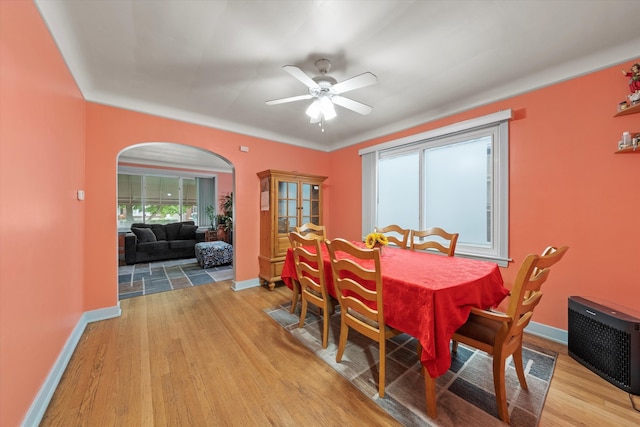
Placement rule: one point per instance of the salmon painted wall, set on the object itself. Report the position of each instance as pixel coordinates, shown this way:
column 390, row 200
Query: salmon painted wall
column 41, row 222
column 567, row 187
column 110, row 130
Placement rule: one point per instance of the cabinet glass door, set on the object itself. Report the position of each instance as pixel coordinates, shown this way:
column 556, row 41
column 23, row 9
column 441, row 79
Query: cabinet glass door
column 287, row 206
column 310, row 200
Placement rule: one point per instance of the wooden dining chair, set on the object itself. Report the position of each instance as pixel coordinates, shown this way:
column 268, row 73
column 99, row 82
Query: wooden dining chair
column 500, row 334
column 296, row 239
column 311, row 230
column 434, row 238
column 359, row 292
column 311, row 277
column 395, row 234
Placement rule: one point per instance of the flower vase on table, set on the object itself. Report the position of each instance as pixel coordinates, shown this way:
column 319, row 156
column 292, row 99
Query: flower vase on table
column 376, row 240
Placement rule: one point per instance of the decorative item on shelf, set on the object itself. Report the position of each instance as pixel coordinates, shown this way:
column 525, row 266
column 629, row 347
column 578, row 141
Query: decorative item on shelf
column 634, row 78
column 376, row 240
column 623, row 106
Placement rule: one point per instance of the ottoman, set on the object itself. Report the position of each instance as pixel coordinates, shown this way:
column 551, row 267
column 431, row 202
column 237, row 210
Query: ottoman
column 211, row 254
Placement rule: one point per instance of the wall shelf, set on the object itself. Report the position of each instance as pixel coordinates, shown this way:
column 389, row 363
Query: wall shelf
column 631, row 110
column 628, row 150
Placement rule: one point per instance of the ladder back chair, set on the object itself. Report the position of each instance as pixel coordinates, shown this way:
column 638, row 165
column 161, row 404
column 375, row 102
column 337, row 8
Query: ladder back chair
column 310, row 271
column 395, row 234
column 311, row 230
column 434, row 238
column 359, row 292
column 500, row 334
column 297, row 239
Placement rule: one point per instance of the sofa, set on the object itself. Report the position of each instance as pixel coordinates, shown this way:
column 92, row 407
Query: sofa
column 156, row 242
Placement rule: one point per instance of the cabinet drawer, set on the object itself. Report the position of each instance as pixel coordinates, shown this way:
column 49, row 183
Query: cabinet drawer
column 282, row 244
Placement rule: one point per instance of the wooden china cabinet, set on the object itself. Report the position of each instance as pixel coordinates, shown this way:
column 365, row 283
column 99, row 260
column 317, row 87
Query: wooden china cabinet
column 287, row 200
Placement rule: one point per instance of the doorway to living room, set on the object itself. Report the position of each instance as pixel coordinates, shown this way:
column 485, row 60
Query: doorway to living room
column 172, row 200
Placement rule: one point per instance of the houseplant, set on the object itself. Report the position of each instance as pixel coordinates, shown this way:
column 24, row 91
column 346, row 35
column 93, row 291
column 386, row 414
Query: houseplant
column 225, row 218
column 211, row 214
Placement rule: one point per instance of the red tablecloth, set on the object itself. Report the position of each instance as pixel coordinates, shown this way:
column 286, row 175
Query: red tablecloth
column 428, row 296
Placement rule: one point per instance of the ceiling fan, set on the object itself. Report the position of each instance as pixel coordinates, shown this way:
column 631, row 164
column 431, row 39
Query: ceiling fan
column 326, row 91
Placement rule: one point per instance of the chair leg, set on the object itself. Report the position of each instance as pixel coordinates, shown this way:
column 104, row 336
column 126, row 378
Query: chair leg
column 342, row 342
column 454, row 346
column 294, row 297
column 500, row 388
column 303, row 312
column 381, row 374
column 325, row 325
column 517, row 361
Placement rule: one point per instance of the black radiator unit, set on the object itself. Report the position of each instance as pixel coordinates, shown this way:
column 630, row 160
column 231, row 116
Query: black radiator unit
column 605, row 338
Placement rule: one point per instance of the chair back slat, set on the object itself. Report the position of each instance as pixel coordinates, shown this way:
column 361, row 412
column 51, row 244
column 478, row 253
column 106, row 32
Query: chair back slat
column 312, row 231
column 526, row 292
column 395, row 234
column 434, row 238
column 307, row 258
column 309, row 264
column 358, row 283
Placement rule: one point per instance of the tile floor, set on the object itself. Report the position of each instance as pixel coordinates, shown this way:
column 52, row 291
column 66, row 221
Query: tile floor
column 148, row 278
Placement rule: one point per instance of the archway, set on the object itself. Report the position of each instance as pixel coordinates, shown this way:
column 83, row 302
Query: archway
column 161, row 183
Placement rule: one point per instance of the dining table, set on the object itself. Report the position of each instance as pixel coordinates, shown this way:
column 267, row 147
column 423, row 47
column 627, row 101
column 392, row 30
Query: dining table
column 426, row 295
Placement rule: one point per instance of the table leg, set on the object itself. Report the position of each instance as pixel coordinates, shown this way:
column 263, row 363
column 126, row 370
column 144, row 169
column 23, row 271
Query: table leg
column 430, row 388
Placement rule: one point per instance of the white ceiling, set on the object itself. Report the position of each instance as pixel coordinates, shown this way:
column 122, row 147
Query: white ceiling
column 216, row 62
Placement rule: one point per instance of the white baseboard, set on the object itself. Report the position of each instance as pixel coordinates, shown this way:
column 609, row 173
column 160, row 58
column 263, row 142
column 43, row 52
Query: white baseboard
column 245, row 284
column 39, row 406
column 549, row 332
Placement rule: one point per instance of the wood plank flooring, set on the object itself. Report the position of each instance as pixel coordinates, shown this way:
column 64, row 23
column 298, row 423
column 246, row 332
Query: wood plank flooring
column 208, row 356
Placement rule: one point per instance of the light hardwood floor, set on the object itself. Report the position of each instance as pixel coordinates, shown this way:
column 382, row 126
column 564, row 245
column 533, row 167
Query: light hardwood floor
column 210, row 356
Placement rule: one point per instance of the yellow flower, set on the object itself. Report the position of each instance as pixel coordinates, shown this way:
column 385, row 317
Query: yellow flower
column 375, row 238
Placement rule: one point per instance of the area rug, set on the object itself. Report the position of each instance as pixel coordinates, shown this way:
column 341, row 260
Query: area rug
column 150, row 278
column 465, row 395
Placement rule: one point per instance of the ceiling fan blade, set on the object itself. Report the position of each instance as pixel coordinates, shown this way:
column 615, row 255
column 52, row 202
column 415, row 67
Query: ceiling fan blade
column 350, row 104
column 362, row 80
column 290, row 99
column 300, row 75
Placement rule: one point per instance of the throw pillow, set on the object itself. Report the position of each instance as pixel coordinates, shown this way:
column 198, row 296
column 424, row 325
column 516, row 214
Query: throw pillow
column 172, row 230
column 187, row 232
column 144, row 235
column 158, row 230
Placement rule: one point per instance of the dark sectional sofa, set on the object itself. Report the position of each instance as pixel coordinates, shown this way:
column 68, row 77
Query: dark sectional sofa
column 155, row 242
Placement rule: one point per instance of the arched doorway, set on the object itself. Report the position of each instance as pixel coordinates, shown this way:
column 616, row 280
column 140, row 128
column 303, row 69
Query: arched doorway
column 162, row 183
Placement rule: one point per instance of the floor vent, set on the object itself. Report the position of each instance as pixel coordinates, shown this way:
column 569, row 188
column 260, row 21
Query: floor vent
column 605, row 338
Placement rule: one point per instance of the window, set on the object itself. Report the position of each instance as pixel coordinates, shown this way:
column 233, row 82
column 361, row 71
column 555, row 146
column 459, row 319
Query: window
column 455, row 178
column 154, row 199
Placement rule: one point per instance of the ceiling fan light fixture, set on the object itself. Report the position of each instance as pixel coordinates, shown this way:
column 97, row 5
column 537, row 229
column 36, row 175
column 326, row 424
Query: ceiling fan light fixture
column 326, row 91
column 327, row 108
column 314, row 110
